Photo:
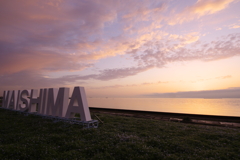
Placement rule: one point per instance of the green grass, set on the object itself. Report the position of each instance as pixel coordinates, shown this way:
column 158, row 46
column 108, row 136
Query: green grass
column 31, row 137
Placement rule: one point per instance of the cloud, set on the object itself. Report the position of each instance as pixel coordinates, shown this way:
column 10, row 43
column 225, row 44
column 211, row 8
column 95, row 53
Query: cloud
column 184, row 39
column 234, row 26
column 34, row 80
column 199, row 9
column 31, row 80
column 110, row 74
column 190, row 38
column 26, row 80
column 203, row 7
column 144, row 11
column 224, row 77
column 131, row 85
column 208, row 79
column 39, row 37
column 165, row 52
column 224, row 93
column 25, row 59
column 49, row 33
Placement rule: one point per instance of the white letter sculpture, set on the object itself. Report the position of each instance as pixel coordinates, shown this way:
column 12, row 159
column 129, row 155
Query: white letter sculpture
column 6, row 98
column 50, row 101
column 57, row 101
column 24, row 101
column 78, row 104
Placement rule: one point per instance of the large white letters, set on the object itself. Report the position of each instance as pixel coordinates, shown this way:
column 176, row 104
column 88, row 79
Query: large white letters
column 34, row 100
column 42, row 105
column 24, row 101
column 14, row 99
column 78, row 104
column 52, row 101
column 57, row 101
column 6, row 98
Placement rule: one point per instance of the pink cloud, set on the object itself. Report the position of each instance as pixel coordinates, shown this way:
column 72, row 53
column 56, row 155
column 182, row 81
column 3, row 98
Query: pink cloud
column 39, row 36
column 50, row 32
column 199, row 9
column 23, row 59
column 203, row 7
column 228, row 46
column 34, row 80
column 117, row 73
column 131, row 85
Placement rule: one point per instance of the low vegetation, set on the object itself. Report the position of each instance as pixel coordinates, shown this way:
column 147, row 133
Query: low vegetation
column 31, row 137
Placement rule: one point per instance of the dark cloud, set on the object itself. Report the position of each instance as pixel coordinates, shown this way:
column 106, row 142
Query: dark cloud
column 50, row 33
column 26, row 59
column 33, row 80
column 110, row 74
column 44, row 31
column 121, row 73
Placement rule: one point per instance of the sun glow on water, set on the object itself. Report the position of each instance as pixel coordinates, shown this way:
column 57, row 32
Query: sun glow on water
column 222, row 107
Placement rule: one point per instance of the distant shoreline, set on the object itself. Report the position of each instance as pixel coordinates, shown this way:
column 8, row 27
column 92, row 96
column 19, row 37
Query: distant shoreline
column 228, row 121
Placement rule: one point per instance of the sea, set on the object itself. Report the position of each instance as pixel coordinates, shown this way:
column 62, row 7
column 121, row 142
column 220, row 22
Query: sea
column 220, row 107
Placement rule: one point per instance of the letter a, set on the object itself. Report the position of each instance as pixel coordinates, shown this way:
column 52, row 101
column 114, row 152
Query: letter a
column 6, row 98
column 78, row 104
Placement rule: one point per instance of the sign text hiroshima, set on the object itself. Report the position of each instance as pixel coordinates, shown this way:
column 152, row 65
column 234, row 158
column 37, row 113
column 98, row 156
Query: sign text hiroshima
column 51, row 101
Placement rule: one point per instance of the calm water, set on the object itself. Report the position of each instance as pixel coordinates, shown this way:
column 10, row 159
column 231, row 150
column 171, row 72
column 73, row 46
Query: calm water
column 224, row 107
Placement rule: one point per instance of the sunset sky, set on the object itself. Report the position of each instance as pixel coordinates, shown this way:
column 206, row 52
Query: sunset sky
column 120, row 48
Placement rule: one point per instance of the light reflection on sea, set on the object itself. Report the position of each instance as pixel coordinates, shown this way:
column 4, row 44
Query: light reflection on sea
column 223, row 107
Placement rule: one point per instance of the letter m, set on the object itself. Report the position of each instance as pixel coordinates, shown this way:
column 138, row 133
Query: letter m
column 57, row 101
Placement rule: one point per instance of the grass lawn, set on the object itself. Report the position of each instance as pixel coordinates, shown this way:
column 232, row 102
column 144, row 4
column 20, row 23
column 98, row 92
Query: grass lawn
column 31, row 137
